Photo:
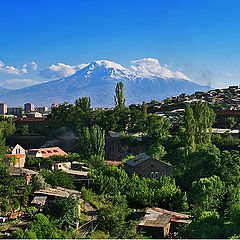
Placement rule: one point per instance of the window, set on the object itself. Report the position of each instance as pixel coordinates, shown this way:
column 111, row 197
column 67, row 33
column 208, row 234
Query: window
column 156, row 175
column 43, row 152
column 19, row 150
column 152, row 175
column 55, row 151
column 49, row 151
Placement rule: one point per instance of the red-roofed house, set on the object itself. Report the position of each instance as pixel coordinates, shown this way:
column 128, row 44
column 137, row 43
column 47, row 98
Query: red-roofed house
column 46, row 152
column 19, row 153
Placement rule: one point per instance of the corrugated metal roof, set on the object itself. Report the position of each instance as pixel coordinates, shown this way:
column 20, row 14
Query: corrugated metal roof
column 159, row 217
column 138, row 159
column 58, row 192
column 75, row 172
column 154, row 219
column 39, row 200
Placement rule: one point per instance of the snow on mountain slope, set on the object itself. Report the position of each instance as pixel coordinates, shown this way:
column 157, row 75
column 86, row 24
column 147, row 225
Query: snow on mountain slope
column 98, row 81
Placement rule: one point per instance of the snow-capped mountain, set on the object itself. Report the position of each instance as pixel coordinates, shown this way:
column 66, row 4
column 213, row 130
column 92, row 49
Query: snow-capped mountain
column 98, row 81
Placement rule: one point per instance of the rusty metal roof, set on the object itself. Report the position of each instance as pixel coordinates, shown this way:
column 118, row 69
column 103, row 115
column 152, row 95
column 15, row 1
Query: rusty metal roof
column 154, row 219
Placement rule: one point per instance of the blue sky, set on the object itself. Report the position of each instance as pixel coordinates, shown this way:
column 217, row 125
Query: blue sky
column 199, row 38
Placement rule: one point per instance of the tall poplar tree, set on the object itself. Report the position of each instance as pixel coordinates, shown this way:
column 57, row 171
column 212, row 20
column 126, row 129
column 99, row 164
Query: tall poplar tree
column 92, row 141
column 204, row 118
column 119, row 97
column 198, row 120
column 190, row 127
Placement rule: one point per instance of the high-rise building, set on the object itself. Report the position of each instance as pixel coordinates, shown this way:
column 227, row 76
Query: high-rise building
column 17, row 111
column 41, row 109
column 3, row 108
column 28, row 107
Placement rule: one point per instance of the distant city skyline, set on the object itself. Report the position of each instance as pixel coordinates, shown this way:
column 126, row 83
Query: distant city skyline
column 46, row 40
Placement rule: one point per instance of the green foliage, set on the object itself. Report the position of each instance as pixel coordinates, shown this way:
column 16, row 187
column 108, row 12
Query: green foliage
column 3, row 147
column 92, row 141
column 32, row 161
column 197, row 125
column 83, row 103
column 12, row 160
column 38, row 183
column 119, row 97
column 7, row 126
column 156, row 127
column 96, row 161
column 156, row 150
column 111, row 219
column 65, row 210
column 58, row 178
column 190, row 127
column 128, row 139
column 208, row 193
column 89, row 196
column 204, row 162
column 139, row 193
column 5, row 206
column 8, row 183
column 231, row 123
column 25, row 130
column 15, row 203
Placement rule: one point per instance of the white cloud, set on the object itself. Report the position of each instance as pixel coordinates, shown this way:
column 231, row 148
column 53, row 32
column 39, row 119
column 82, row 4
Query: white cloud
column 60, row 70
column 15, row 71
column 227, row 74
column 24, row 68
column 9, row 69
column 148, row 67
column 33, row 65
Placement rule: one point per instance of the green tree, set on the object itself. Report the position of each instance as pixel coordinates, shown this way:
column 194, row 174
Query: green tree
column 39, row 183
column 208, row 193
column 25, row 130
column 65, row 210
column 156, row 150
column 58, row 178
column 111, row 219
column 3, row 147
column 119, row 97
column 189, row 127
column 7, row 126
column 84, row 103
column 231, row 123
column 204, row 119
column 92, row 141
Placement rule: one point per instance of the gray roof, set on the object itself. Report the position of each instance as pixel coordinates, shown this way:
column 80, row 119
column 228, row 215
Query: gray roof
column 154, row 219
column 138, row 159
column 58, row 192
column 39, row 200
column 21, row 171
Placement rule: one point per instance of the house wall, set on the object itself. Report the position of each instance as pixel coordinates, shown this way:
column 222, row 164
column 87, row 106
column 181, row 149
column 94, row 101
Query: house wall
column 18, row 150
column 20, row 162
column 147, row 167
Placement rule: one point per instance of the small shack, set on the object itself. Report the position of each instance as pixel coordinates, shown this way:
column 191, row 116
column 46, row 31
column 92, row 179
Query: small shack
column 45, row 197
column 160, row 223
column 23, row 172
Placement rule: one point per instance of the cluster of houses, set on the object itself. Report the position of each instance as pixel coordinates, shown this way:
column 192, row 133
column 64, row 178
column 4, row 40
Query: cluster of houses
column 155, row 221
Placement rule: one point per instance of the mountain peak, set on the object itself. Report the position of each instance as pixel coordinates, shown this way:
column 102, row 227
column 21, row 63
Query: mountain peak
column 109, row 64
column 106, row 69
